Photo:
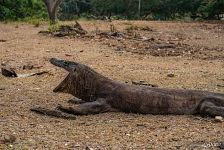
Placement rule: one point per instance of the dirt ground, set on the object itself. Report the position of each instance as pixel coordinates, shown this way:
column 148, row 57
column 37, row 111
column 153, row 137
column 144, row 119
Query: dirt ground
column 193, row 53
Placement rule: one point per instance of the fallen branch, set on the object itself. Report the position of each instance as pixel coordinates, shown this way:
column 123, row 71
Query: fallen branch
column 9, row 72
column 31, row 74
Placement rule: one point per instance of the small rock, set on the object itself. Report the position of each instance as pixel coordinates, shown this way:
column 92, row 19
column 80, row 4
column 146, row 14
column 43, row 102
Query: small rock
column 221, row 146
column 8, row 72
column 81, row 51
column 1, row 40
column 83, row 122
column 174, row 139
column 141, row 125
column 9, row 139
column 218, row 119
column 68, row 54
column 89, row 148
column 77, row 145
column 170, row 75
column 178, row 146
column 219, row 85
column 10, row 145
column 28, row 67
column 3, row 64
column 152, row 39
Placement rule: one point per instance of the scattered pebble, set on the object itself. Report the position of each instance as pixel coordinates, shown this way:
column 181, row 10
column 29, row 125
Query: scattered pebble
column 9, row 139
column 68, row 54
column 28, row 67
column 170, row 75
column 219, row 85
column 77, row 145
column 218, row 119
column 141, row 125
column 221, row 146
column 10, row 145
column 1, row 40
column 174, row 139
column 89, row 148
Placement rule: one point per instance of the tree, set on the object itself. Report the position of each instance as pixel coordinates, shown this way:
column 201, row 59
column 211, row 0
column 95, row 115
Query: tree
column 211, row 9
column 52, row 8
column 139, row 8
column 119, row 9
column 22, row 9
column 71, row 9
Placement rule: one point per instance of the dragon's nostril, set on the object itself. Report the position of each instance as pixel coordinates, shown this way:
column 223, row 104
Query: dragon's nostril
column 66, row 63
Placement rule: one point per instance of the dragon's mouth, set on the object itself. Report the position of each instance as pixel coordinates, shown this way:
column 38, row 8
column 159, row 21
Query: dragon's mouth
column 70, row 68
column 62, row 85
column 59, row 63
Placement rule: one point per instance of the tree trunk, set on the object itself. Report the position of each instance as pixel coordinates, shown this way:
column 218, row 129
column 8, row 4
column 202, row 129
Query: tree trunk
column 52, row 8
column 139, row 9
column 127, row 9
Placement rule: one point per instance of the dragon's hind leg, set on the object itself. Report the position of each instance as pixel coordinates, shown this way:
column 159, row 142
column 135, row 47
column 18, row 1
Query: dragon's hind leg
column 212, row 107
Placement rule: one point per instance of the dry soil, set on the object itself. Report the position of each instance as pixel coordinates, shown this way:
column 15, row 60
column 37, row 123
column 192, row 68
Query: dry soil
column 193, row 52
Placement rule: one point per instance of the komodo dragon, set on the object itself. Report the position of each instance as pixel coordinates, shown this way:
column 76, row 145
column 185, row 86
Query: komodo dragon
column 98, row 94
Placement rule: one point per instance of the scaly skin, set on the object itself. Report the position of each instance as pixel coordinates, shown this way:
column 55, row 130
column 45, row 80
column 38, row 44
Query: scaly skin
column 100, row 94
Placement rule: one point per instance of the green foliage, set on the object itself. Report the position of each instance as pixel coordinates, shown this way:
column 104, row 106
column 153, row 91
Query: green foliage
column 33, row 20
column 211, row 9
column 20, row 9
column 35, row 10
column 129, row 28
column 53, row 28
column 150, row 9
column 73, row 9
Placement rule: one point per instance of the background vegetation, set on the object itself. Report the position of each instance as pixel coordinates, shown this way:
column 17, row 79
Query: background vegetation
column 117, row 9
column 22, row 9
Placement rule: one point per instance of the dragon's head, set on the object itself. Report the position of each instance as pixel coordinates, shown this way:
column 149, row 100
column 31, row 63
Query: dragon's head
column 79, row 81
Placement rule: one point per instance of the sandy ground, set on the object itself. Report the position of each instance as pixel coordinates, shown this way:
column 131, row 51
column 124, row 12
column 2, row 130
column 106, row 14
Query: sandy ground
column 201, row 69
